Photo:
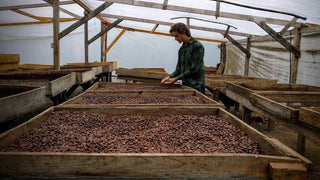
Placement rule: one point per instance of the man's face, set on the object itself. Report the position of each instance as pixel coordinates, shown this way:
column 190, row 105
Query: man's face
column 177, row 36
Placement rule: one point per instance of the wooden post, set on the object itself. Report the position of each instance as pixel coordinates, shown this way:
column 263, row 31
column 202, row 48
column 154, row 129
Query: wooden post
column 294, row 63
column 86, row 44
column 301, row 143
column 246, row 114
column 105, row 47
column 247, row 63
column 56, row 42
column 101, row 43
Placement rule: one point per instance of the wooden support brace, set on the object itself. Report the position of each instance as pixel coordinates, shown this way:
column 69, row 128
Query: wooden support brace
column 101, row 43
column 286, row 27
column 105, row 30
column 188, row 23
column 56, row 42
column 164, row 5
column 28, row 15
column 84, row 19
column 279, row 38
column 227, row 31
column 86, row 44
column 114, row 41
column 154, row 28
column 217, row 9
column 247, row 63
column 238, row 45
column 294, row 65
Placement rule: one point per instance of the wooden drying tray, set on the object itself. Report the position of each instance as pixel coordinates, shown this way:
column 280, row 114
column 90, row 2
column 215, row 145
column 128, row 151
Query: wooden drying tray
column 275, row 161
column 106, row 66
column 103, row 86
column 207, row 101
column 54, row 82
column 16, row 101
column 9, row 61
column 148, row 73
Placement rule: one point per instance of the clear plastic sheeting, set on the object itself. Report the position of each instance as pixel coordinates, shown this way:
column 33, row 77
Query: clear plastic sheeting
column 271, row 60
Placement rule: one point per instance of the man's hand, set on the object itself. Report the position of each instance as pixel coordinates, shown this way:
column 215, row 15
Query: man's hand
column 171, row 81
column 165, row 79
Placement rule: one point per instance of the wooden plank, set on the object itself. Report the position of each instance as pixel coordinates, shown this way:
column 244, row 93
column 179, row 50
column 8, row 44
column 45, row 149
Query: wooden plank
column 310, row 115
column 293, row 97
column 84, row 19
column 274, row 108
column 294, row 66
column 114, row 41
column 213, row 83
column 9, row 61
column 62, row 84
column 154, row 28
column 129, row 18
column 238, row 45
column 247, row 63
column 106, row 66
column 212, row 165
column 32, row 99
column 143, row 73
column 284, row 171
column 201, row 11
column 104, row 31
column 279, row 38
column 56, row 29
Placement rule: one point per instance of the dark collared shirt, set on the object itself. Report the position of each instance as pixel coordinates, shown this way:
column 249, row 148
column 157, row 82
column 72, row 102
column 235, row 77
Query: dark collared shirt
column 190, row 66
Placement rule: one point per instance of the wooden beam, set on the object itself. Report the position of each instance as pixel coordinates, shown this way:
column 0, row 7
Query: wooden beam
column 238, row 45
column 154, row 28
column 88, row 9
column 200, row 11
column 70, row 13
column 33, row 5
column 164, row 5
column 171, row 24
column 294, row 65
column 105, row 47
column 247, row 61
column 37, row 22
column 279, row 38
column 114, row 41
column 217, row 14
column 286, row 27
column 27, row 14
column 56, row 42
column 105, row 30
column 101, row 42
column 86, row 44
column 84, row 19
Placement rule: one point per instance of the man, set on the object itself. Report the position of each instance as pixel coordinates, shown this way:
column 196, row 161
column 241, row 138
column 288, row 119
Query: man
column 190, row 66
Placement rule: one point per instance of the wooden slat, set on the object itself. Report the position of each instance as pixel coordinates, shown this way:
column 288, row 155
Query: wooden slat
column 114, row 41
column 171, row 24
column 84, row 19
column 104, row 31
column 238, row 45
column 284, row 171
column 200, row 11
column 279, row 38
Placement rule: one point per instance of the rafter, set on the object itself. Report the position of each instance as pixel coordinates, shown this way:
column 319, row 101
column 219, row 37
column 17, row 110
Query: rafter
column 88, row 9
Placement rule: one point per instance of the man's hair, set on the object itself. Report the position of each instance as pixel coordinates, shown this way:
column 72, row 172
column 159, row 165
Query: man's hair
column 180, row 28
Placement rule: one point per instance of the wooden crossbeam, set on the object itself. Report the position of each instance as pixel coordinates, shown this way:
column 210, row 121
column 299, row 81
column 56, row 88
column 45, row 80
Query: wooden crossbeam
column 33, row 5
column 154, row 28
column 84, row 19
column 70, row 13
column 199, row 11
column 104, row 31
column 114, row 41
column 238, row 45
column 286, row 27
column 164, row 5
column 29, row 15
column 217, row 9
column 279, row 38
column 170, row 24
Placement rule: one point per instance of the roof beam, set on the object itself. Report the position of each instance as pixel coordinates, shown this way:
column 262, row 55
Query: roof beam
column 286, row 27
column 171, row 24
column 104, row 31
column 84, row 19
column 70, row 13
column 33, row 5
column 200, row 11
column 279, row 38
column 236, row 43
column 85, row 7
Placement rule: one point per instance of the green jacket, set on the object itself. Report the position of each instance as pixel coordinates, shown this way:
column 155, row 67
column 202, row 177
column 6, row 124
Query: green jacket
column 190, row 66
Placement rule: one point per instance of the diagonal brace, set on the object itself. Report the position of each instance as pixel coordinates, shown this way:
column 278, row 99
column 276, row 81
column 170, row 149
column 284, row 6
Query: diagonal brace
column 236, row 43
column 84, row 19
column 279, row 38
column 104, row 31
